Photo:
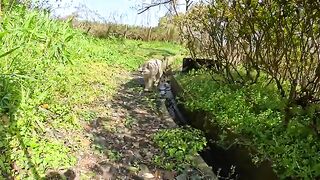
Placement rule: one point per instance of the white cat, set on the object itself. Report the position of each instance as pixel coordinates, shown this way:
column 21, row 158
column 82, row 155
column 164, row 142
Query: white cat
column 152, row 71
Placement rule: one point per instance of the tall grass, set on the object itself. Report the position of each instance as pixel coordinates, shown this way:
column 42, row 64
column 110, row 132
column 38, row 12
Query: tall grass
column 168, row 33
column 35, row 53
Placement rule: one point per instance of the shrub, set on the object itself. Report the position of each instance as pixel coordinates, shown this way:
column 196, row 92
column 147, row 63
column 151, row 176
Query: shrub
column 256, row 112
column 271, row 40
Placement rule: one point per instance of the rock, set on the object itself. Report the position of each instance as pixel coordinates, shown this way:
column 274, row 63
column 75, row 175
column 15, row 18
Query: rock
column 149, row 155
column 128, row 138
column 133, row 169
column 135, row 177
column 129, row 159
column 105, row 166
column 137, row 155
column 148, row 175
column 135, row 144
column 108, row 105
column 144, row 169
column 115, row 115
column 144, row 172
column 143, row 144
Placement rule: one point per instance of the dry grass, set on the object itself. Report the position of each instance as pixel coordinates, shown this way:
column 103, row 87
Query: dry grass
column 169, row 33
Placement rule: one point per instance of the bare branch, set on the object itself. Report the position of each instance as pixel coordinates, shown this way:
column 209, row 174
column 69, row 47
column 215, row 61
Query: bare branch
column 147, row 7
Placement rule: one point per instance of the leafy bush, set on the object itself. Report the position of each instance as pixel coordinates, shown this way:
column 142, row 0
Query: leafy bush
column 266, row 87
column 253, row 40
column 256, row 113
column 179, row 146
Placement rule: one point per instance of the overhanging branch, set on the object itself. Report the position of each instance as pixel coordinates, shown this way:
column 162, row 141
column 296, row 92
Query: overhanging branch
column 144, row 9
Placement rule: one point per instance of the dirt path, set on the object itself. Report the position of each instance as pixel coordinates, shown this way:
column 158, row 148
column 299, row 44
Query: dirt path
column 122, row 133
column 117, row 139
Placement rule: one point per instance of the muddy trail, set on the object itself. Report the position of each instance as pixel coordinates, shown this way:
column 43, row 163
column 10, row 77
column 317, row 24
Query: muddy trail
column 121, row 135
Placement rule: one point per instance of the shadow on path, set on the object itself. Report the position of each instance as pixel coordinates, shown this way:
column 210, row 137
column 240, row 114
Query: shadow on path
column 68, row 175
column 125, row 135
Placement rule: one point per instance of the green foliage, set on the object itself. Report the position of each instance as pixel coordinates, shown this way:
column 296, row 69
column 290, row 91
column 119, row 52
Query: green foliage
column 114, row 155
column 267, row 85
column 255, row 112
column 179, row 146
column 88, row 115
column 250, row 38
column 129, row 121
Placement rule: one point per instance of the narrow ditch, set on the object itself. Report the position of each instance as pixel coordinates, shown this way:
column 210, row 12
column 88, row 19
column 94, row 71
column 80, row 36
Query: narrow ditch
column 232, row 163
column 212, row 154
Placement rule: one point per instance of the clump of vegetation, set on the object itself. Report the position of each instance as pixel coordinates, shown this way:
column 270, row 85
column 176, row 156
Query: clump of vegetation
column 256, row 113
column 179, row 147
column 35, row 54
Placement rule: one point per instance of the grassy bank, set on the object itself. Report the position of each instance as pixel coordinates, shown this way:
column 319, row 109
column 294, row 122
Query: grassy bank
column 50, row 73
column 256, row 113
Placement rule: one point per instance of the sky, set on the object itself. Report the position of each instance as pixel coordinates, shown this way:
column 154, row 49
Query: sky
column 119, row 11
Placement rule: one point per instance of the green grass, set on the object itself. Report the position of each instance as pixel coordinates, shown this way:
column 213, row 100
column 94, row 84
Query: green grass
column 256, row 113
column 50, row 74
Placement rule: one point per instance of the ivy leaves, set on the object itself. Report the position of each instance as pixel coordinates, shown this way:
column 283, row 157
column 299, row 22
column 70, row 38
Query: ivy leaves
column 179, row 146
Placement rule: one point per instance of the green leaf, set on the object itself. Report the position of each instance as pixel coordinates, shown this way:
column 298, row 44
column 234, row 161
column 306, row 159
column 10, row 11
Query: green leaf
column 68, row 38
column 9, row 52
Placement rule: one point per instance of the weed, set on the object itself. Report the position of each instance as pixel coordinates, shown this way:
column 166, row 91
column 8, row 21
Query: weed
column 129, row 121
column 179, row 146
column 89, row 115
column 114, row 155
